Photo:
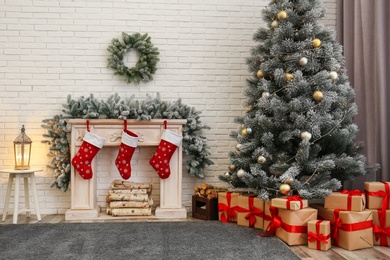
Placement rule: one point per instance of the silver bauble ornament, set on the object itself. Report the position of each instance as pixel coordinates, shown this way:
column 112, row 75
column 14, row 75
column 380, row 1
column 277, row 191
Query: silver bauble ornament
column 249, row 130
column 238, row 147
column 303, row 61
column 274, row 24
column 240, row 173
column 333, row 75
column 306, row 136
column 261, row 159
column 265, row 94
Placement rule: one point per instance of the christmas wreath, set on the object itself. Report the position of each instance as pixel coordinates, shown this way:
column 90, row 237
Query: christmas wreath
column 147, row 57
column 58, row 131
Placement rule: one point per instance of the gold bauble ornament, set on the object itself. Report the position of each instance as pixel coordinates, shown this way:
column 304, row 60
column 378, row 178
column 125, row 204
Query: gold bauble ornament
column 274, row 24
column 289, row 181
column 249, row 108
column 261, row 159
column 232, row 168
column 284, row 188
column 243, row 132
column 318, row 95
column 282, row 15
column 289, row 76
column 238, row 147
column 260, row 74
column 316, row 43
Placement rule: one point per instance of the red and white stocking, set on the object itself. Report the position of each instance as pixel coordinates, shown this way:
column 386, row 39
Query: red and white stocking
column 126, row 150
column 160, row 160
column 83, row 159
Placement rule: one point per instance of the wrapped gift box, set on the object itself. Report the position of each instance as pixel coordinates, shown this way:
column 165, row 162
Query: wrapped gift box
column 291, row 203
column 227, row 206
column 351, row 230
column 381, row 228
column 346, row 200
column 319, row 234
column 293, row 225
column 250, row 212
column 376, row 192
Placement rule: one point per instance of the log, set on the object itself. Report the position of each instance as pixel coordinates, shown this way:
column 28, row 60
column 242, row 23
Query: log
column 128, row 192
column 131, row 204
column 132, row 212
column 130, row 197
column 205, row 186
column 119, row 184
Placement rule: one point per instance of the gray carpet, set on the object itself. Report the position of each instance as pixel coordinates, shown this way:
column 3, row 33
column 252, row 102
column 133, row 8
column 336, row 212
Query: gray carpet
column 139, row 240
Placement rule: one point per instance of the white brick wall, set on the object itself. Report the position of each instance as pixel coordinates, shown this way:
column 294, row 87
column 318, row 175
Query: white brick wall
column 53, row 48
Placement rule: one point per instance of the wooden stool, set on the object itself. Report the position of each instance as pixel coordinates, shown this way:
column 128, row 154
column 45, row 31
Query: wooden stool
column 17, row 174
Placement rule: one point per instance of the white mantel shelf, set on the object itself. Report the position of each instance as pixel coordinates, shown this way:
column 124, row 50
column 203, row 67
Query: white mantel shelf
column 84, row 193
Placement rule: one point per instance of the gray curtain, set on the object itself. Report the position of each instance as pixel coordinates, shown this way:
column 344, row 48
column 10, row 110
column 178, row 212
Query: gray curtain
column 363, row 28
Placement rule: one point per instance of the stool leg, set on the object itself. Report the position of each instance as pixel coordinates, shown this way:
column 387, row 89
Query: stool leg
column 16, row 201
column 27, row 197
column 34, row 190
column 8, row 196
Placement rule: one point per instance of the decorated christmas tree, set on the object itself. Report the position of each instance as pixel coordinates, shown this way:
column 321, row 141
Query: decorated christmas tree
column 297, row 136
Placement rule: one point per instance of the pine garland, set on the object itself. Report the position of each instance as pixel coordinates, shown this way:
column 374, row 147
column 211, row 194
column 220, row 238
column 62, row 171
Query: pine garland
column 194, row 143
column 147, row 57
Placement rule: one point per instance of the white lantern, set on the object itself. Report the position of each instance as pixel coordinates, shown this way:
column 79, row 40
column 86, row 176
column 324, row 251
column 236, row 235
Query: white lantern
column 22, row 151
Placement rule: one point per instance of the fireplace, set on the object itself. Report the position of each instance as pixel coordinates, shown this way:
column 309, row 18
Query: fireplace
column 84, row 192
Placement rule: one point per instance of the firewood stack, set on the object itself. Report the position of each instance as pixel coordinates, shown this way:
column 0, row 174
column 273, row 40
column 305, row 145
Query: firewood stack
column 208, row 191
column 129, row 199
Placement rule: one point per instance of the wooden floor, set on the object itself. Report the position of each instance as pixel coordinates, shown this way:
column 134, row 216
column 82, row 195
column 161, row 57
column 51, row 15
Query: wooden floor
column 335, row 253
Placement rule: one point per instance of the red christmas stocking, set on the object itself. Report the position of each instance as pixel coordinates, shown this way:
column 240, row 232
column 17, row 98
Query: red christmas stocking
column 160, row 160
column 126, row 150
column 83, row 159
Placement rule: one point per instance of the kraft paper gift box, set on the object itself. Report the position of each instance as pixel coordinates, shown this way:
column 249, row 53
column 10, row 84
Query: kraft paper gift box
column 319, row 234
column 346, row 200
column 250, row 212
column 227, row 206
column 351, row 230
column 293, row 225
column 291, row 203
column 381, row 227
column 377, row 194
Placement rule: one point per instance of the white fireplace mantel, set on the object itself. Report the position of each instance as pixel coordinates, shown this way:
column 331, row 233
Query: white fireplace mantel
column 84, row 192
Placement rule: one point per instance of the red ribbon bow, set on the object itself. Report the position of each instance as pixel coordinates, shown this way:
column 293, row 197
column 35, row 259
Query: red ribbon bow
column 384, row 194
column 382, row 232
column 319, row 237
column 294, row 198
column 252, row 212
column 275, row 223
column 226, row 209
column 350, row 194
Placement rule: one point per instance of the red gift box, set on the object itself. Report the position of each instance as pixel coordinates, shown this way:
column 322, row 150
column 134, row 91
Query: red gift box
column 250, row 212
column 381, row 222
column 227, row 206
column 353, row 200
column 319, row 234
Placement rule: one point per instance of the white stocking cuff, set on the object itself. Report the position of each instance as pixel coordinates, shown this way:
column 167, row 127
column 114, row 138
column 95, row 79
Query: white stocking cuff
column 172, row 137
column 94, row 139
